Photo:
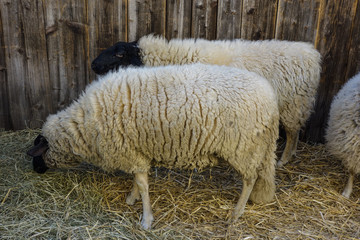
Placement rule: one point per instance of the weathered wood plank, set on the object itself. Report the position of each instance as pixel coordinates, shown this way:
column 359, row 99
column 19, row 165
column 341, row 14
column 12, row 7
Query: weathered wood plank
column 26, row 63
column 107, row 25
column 5, row 122
column 229, row 19
column 332, row 40
column 146, row 16
column 353, row 63
column 37, row 84
column 15, row 62
column 258, row 19
column 297, row 20
column 54, row 36
column 66, row 24
column 204, row 19
column 178, row 19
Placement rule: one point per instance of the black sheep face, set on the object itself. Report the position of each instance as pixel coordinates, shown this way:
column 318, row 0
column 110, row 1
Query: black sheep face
column 121, row 54
column 40, row 147
column 45, row 156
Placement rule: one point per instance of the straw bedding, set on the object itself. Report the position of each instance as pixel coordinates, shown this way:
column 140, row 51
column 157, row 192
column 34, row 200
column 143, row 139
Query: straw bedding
column 87, row 203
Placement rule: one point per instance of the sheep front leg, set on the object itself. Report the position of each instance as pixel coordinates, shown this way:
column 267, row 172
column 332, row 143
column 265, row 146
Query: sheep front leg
column 248, row 185
column 134, row 195
column 349, row 186
column 292, row 138
column 141, row 180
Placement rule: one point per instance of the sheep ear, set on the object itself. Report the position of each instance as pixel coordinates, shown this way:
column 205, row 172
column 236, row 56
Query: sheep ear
column 41, row 145
column 134, row 43
column 38, row 139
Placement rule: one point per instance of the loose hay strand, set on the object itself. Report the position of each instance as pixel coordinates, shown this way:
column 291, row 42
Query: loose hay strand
column 87, row 203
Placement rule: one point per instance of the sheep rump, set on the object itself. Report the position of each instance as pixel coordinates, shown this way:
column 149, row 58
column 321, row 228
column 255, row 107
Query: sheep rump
column 292, row 68
column 176, row 116
column 343, row 130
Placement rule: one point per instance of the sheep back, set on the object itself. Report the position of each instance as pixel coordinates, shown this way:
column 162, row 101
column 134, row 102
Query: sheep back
column 293, row 68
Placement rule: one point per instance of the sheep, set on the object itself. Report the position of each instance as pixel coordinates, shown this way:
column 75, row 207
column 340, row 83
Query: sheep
column 182, row 117
column 293, row 69
column 343, row 129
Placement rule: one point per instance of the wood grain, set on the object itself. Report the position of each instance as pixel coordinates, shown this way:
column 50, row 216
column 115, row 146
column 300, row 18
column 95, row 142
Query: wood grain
column 229, row 19
column 146, row 16
column 178, row 19
column 5, row 117
column 258, row 19
column 297, row 20
column 333, row 41
column 353, row 62
column 107, row 26
column 204, row 19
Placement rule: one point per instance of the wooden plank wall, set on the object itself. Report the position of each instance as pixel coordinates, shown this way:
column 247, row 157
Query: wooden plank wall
column 46, row 47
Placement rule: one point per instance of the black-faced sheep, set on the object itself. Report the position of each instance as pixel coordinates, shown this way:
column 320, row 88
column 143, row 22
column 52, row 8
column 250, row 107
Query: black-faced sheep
column 182, row 117
column 343, row 130
column 292, row 68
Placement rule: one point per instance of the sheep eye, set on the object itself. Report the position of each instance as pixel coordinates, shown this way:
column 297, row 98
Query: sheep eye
column 119, row 55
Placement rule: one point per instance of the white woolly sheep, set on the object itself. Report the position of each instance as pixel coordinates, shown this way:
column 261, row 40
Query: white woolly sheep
column 343, row 130
column 293, row 69
column 176, row 116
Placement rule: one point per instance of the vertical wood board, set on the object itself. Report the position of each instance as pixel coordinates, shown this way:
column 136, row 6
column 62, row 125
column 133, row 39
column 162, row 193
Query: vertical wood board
column 332, row 40
column 107, row 25
column 203, row 19
column 178, row 19
column 5, row 117
column 37, row 87
column 146, row 16
column 258, row 19
column 297, row 20
column 15, row 60
column 229, row 19
column 353, row 62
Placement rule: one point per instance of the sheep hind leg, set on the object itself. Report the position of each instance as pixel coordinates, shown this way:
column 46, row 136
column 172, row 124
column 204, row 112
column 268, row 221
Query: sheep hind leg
column 248, row 185
column 349, row 186
column 141, row 180
column 134, row 195
column 292, row 138
column 264, row 188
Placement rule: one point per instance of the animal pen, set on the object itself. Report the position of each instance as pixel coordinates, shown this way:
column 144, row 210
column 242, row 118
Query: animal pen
column 46, row 48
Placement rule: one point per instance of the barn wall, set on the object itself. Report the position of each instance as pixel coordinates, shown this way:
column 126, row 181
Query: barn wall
column 46, row 47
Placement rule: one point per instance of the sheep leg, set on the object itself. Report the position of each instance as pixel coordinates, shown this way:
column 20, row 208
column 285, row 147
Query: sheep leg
column 248, row 185
column 349, row 186
column 292, row 138
column 141, row 180
column 134, row 195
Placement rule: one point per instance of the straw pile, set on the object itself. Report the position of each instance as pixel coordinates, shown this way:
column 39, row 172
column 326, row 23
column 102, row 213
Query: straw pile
column 87, row 203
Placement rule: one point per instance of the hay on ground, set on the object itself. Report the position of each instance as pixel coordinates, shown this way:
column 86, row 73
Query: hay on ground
column 87, row 203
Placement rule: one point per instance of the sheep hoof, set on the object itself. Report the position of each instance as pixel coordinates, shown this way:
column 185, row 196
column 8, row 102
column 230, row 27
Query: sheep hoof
column 346, row 194
column 235, row 216
column 279, row 164
column 130, row 200
column 146, row 223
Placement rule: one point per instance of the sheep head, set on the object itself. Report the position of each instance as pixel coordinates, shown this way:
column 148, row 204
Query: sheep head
column 118, row 55
column 46, row 155
column 40, row 147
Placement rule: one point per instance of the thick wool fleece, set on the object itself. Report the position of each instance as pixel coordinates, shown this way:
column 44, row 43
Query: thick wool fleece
column 292, row 68
column 343, row 131
column 176, row 116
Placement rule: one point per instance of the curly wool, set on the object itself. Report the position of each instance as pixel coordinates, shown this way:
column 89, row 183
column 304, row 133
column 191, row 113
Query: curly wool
column 174, row 116
column 292, row 68
column 343, row 131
